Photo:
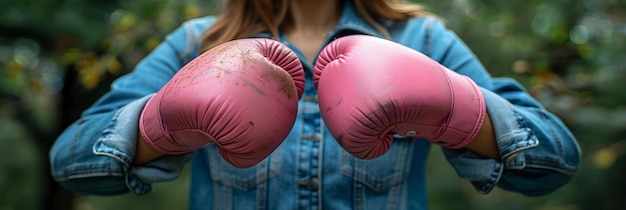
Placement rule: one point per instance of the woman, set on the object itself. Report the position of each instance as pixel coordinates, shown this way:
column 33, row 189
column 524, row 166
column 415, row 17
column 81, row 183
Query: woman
column 520, row 146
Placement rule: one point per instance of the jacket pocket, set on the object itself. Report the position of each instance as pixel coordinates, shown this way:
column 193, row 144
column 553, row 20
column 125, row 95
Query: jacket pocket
column 383, row 172
column 244, row 179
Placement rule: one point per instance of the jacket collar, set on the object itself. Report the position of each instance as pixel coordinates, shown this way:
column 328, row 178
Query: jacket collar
column 349, row 23
column 352, row 23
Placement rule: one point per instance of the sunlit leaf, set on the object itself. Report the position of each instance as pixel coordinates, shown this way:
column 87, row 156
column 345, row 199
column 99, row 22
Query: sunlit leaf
column 14, row 69
column 604, row 158
column 90, row 78
column 586, row 50
column 520, row 66
column 70, row 56
column 128, row 20
column 152, row 43
column 560, row 34
column 113, row 65
column 191, row 11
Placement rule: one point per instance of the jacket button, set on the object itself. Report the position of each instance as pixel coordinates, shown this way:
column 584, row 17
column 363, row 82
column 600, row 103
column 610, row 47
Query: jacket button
column 314, row 137
column 310, row 98
column 314, row 183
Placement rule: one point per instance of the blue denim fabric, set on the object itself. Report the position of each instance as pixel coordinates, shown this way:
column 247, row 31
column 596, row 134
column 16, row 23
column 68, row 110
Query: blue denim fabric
column 310, row 170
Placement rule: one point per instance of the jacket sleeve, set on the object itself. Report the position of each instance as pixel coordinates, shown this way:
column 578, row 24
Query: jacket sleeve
column 94, row 154
column 538, row 152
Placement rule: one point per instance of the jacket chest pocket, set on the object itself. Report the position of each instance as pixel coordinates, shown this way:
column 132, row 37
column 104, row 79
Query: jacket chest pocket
column 245, row 179
column 381, row 173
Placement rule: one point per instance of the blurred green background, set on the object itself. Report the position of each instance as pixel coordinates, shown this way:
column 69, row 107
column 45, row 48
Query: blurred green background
column 58, row 56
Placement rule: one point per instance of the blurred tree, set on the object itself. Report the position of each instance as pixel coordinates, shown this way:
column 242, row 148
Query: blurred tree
column 31, row 83
column 569, row 55
column 57, row 57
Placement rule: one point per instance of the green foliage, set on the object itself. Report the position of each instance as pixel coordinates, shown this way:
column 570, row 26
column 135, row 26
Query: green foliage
column 41, row 42
column 570, row 57
column 171, row 196
column 19, row 166
column 568, row 54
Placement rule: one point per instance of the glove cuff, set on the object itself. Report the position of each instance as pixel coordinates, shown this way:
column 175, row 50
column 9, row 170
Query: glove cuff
column 152, row 129
column 467, row 113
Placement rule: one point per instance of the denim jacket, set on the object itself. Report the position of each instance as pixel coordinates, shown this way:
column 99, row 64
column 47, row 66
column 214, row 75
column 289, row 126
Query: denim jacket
column 310, row 170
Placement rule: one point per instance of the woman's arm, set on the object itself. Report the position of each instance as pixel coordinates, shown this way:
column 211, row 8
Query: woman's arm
column 536, row 152
column 484, row 145
column 102, row 153
column 144, row 153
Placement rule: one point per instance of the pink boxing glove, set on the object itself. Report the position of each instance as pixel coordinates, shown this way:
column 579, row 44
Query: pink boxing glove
column 370, row 89
column 241, row 96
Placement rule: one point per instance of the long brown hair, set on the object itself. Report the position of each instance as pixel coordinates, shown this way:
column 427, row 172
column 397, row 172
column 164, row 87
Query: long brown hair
column 243, row 18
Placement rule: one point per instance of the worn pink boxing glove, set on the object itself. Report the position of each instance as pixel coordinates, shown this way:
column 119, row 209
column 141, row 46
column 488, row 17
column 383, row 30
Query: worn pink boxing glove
column 370, row 89
column 241, row 96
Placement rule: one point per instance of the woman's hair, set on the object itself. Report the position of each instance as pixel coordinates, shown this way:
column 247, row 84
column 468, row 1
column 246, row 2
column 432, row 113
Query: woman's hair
column 243, row 18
